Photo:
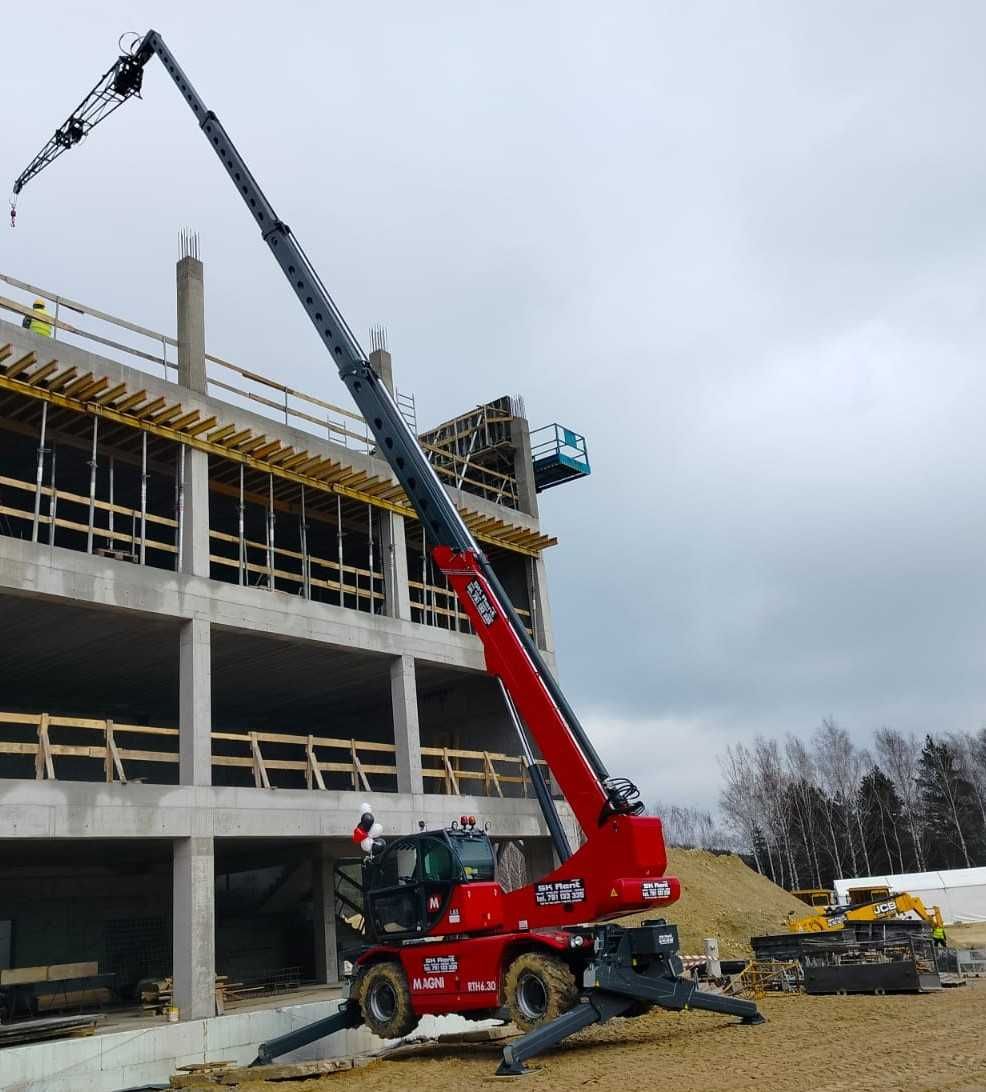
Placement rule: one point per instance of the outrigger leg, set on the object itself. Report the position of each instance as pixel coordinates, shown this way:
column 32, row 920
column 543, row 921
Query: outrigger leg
column 635, row 969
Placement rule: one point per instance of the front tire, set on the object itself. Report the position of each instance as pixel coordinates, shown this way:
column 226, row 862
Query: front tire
column 538, row 988
column 385, row 1001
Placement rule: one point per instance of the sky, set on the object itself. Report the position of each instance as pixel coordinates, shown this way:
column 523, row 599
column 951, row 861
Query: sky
column 738, row 245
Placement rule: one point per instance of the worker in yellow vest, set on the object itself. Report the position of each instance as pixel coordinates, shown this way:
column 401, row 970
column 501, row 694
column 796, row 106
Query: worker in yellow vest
column 36, row 321
column 938, row 936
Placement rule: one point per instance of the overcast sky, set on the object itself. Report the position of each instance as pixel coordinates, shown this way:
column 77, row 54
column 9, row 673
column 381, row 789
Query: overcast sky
column 739, row 245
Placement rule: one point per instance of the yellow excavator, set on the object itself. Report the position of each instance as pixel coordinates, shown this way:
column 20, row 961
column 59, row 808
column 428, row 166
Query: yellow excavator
column 830, row 919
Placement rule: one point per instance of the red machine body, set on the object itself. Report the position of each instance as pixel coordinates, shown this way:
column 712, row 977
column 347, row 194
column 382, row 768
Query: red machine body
column 618, row 869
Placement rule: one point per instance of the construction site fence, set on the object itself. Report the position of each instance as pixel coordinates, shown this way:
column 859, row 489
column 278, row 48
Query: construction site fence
column 252, row 390
column 49, row 739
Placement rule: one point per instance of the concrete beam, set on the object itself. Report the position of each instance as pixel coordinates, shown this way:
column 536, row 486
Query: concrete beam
column 407, row 735
column 38, row 571
column 194, row 922
column 77, row 809
column 195, row 703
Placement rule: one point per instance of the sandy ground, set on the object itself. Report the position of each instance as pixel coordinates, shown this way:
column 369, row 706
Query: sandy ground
column 809, row 1044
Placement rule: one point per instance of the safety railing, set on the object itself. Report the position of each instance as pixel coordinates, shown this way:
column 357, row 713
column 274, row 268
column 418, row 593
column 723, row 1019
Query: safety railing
column 259, row 392
column 44, row 741
column 130, row 534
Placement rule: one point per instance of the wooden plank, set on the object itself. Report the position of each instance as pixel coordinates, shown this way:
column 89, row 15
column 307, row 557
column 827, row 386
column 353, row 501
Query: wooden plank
column 130, row 401
column 114, row 755
column 108, row 396
column 43, row 372
column 21, row 364
column 358, row 771
column 43, row 765
column 313, row 772
column 492, row 773
column 260, row 778
column 450, row 773
column 60, row 971
column 16, row 976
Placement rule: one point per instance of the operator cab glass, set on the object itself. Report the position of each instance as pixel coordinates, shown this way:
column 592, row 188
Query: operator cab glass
column 407, row 888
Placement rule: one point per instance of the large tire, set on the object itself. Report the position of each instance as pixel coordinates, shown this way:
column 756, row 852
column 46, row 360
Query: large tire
column 385, row 1001
column 538, row 988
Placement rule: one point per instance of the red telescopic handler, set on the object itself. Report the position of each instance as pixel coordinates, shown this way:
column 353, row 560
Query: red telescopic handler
column 443, row 936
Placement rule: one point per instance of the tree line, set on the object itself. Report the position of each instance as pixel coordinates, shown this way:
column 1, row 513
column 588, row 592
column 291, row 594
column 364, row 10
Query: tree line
column 808, row 812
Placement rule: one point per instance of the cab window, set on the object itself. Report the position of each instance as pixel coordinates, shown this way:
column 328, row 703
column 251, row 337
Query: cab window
column 476, row 855
column 438, row 865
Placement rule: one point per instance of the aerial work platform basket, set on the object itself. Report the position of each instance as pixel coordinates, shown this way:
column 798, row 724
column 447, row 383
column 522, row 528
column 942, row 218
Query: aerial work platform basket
column 559, row 455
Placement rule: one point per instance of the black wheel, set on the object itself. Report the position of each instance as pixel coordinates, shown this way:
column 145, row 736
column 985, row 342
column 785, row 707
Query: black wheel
column 538, row 988
column 385, row 1001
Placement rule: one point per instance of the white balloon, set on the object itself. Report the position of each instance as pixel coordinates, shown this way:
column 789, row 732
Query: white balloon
column 364, row 808
column 366, row 845
column 376, row 830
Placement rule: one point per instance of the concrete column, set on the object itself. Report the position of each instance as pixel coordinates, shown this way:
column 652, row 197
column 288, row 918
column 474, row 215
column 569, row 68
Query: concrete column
column 407, row 736
column 539, row 857
column 195, row 703
column 520, row 438
column 393, row 549
column 392, row 541
column 324, row 915
column 191, row 374
column 191, row 325
column 537, row 588
column 194, row 917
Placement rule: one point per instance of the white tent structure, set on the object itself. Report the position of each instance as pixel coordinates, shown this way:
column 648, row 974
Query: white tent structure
column 960, row 892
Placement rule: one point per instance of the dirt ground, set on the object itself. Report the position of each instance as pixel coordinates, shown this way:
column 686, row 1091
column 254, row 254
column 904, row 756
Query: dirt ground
column 809, row 1044
column 822, row 1044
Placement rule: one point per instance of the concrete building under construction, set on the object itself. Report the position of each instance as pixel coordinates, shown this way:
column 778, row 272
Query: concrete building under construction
column 221, row 634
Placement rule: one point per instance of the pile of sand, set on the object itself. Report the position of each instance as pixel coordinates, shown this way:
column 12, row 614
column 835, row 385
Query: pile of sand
column 723, row 897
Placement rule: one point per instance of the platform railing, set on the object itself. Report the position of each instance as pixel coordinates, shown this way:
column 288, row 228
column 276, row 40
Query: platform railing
column 47, row 739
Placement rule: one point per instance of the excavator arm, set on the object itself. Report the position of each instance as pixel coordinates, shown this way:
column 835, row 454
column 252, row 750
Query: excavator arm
column 536, row 703
column 832, row 919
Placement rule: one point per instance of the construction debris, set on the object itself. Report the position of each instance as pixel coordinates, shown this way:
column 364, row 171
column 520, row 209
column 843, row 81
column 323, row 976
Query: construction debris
column 51, row 1027
column 212, row 1075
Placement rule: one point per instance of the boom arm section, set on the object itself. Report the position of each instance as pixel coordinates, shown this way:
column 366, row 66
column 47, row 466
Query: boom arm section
column 510, row 652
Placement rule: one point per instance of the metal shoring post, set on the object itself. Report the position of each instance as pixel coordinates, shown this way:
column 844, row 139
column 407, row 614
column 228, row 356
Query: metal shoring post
column 164, row 357
column 143, row 497
column 285, row 407
column 39, row 476
column 270, row 533
column 342, row 601
column 241, row 526
column 53, row 506
column 54, row 329
column 369, row 522
column 424, row 577
column 92, row 485
column 110, row 522
column 179, row 505
column 306, row 571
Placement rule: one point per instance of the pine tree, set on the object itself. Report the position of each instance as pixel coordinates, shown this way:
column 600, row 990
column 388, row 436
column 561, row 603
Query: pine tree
column 953, row 825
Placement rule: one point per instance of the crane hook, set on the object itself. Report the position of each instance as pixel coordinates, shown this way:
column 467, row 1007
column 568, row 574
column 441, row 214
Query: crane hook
column 13, row 212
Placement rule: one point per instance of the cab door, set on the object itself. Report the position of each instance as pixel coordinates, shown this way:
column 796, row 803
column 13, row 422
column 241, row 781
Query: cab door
column 394, row 896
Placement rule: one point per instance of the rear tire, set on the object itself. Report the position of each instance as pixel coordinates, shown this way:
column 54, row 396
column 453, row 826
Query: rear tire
column 538, row 988
column 385, row 1001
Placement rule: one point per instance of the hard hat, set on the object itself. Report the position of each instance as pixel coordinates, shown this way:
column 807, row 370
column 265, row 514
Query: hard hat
column 37, row 304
